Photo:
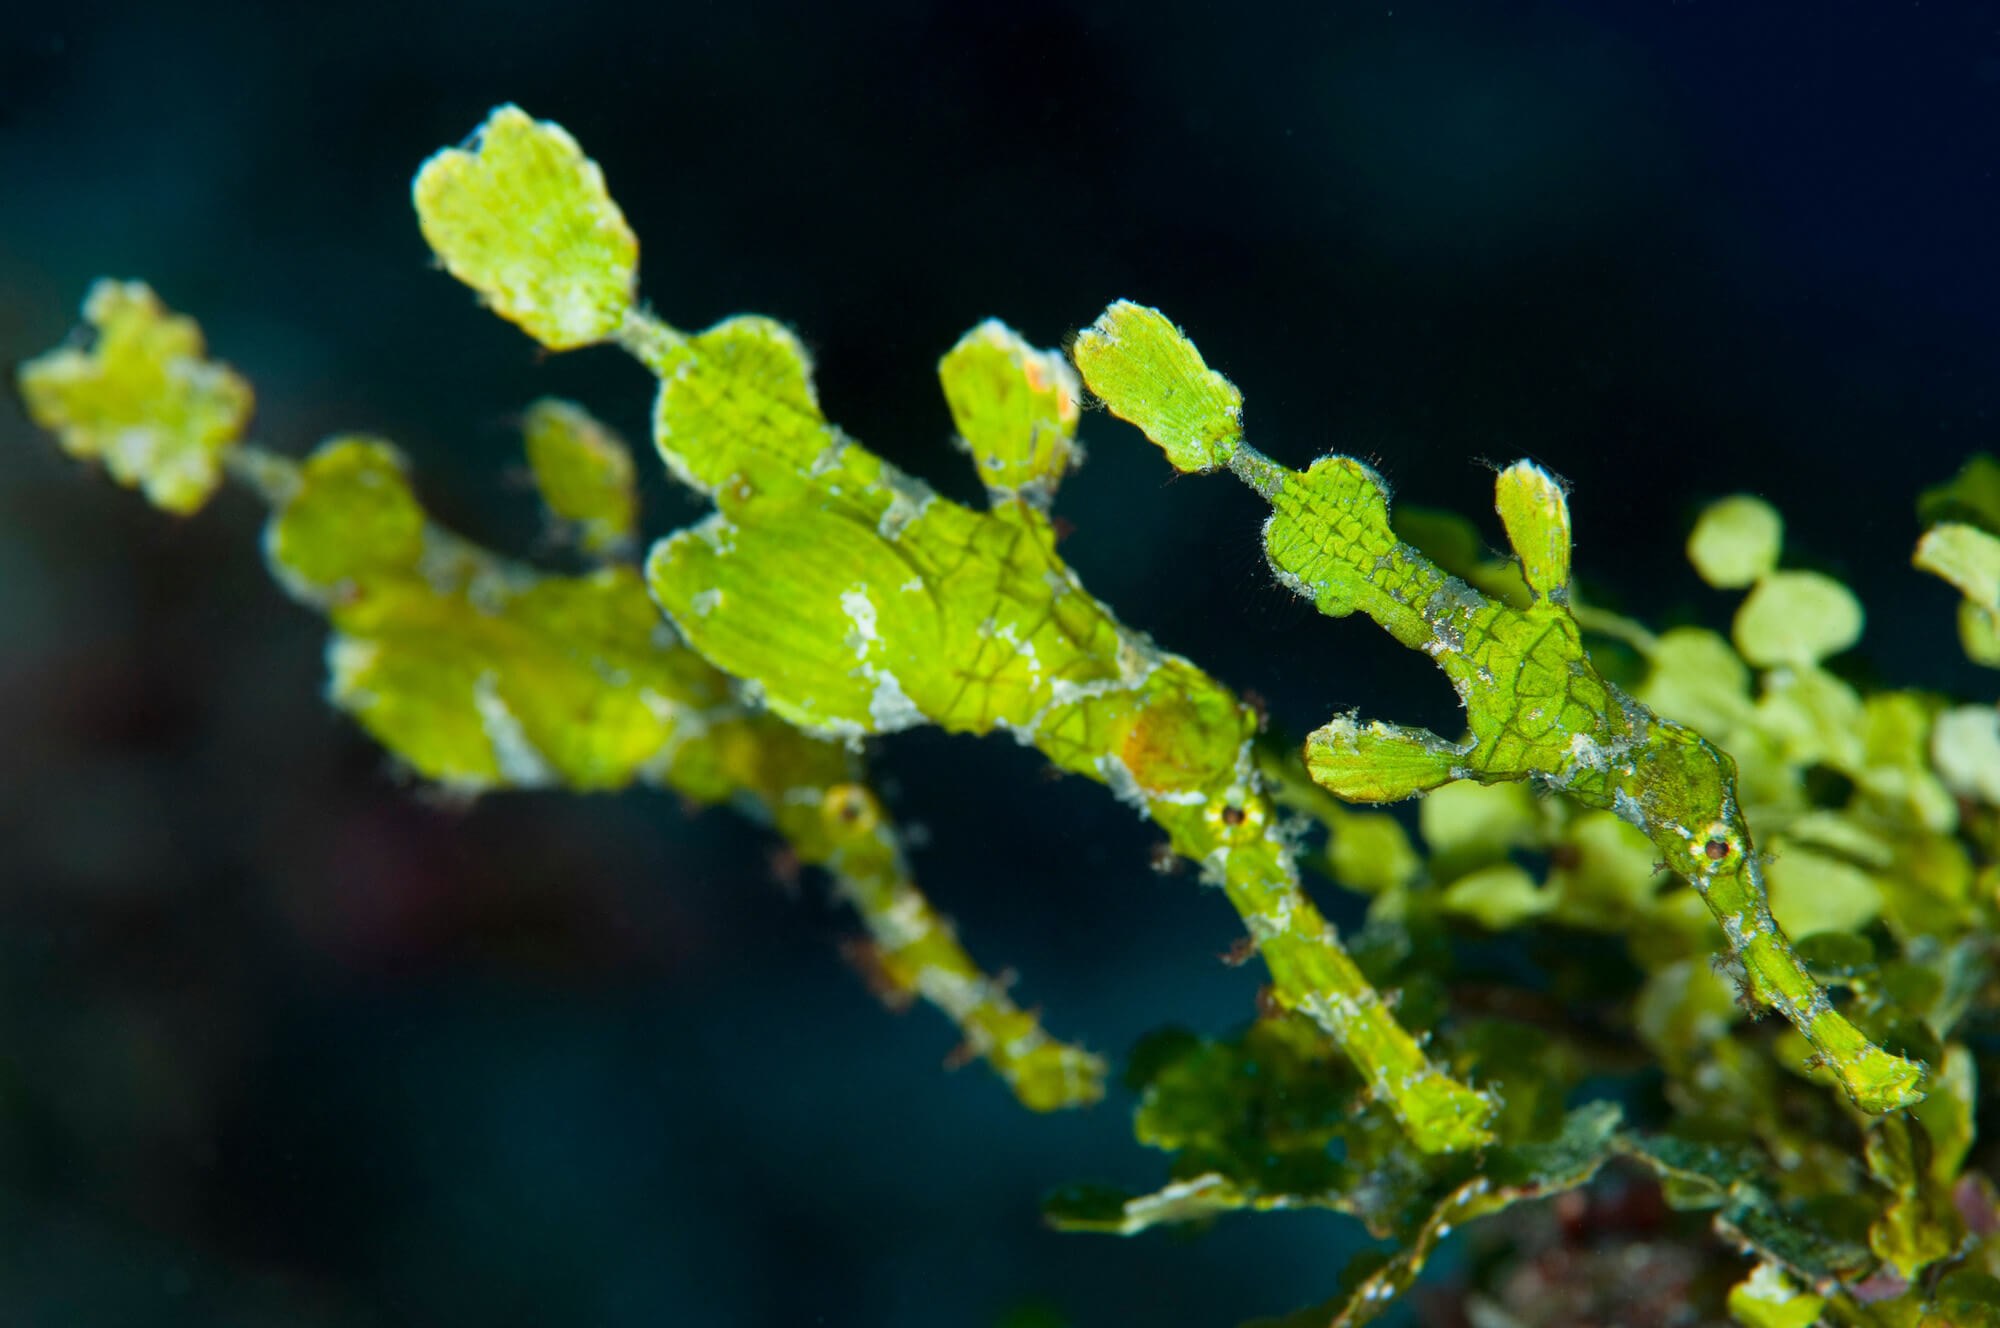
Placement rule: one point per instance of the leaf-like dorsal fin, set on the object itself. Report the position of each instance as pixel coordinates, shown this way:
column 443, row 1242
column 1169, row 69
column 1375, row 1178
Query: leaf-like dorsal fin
column 1377, row 762
column 1016, row 408
column 1536, row 707
column 1146, row 370
column 1536, row 515
column 738, row 399
column 524, row 218
column 584, row 473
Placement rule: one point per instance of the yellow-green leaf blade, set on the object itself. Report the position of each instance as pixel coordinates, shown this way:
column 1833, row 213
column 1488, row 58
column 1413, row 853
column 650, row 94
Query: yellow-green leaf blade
column 1736, row 541
column 1796, row 618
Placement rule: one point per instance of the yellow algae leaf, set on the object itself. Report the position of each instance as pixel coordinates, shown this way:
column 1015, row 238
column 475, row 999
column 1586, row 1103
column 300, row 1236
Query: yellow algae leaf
column 142, row 398
column 1607, row 876
column 1371, row 852
column 524, row 218
column 1497, row 897
column 1812, row 717
column 1965, row 748
column 1796, row 618
column 1815, row 892
column 1969, row 559
column 1736, row 541
column 1470, row 824
column 1684, row 1007
column 1972, row 495
column 1695, row 677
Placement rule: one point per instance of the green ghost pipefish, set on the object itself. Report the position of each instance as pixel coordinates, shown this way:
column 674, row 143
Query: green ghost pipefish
column 1536, row 707
column 477, row 672
column 854, row 600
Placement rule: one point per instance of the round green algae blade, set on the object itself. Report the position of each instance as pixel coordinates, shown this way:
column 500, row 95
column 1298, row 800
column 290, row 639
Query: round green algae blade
column 1736, row 541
